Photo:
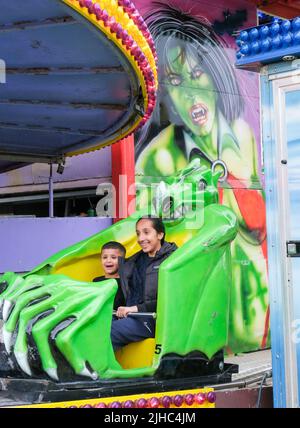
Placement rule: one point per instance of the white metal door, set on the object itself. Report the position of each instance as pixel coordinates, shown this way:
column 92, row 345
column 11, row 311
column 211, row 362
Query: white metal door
column 286, row 92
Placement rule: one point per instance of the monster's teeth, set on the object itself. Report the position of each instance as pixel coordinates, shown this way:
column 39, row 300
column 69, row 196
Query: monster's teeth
column 7, row 339
column 52, row 373
column 22, row 360
column 198, row 112
column 6, row 309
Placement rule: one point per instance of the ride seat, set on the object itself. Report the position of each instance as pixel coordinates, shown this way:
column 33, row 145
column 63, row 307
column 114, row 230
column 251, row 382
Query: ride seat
column 137, row 354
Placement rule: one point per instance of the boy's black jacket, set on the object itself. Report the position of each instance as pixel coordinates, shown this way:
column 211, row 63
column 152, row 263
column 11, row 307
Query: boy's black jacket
column 151, row 284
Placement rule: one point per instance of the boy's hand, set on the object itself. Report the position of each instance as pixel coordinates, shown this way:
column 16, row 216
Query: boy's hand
column 123, row 311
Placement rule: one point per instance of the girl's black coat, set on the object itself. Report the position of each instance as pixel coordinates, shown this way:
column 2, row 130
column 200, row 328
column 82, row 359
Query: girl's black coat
column 126, row 268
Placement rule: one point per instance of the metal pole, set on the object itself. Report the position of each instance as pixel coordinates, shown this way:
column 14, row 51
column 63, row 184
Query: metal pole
column 140, row 314
column 51, row 198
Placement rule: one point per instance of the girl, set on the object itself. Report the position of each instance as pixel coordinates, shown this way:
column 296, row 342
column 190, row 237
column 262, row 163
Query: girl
column 139, row 281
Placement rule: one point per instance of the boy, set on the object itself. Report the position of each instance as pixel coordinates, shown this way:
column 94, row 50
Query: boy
column 110, row 253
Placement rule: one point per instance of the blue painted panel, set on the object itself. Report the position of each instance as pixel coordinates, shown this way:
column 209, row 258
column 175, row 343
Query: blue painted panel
column 111, row 88
column 42, row 140
column 49, row 116
column 268, row 58
column 58, row 45
column 29, row 10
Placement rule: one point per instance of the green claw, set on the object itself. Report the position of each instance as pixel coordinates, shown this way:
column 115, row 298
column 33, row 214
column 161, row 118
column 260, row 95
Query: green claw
column 7, row 339
column 22, row 360
column 65, row 298
column 14, row 283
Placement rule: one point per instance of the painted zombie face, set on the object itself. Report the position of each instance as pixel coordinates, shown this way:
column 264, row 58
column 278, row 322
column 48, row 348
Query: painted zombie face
column 191, row 90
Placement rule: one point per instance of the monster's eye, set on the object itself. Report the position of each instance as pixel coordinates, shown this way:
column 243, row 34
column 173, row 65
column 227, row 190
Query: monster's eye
column 175, row 79
column 202, row 185
column 167, row 204
column 197, row 72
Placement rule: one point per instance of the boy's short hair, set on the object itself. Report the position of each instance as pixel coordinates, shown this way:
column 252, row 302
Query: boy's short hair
column 113, row 245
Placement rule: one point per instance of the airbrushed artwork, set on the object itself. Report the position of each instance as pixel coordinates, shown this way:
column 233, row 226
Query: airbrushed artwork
column 56, row 321
column 208, row 110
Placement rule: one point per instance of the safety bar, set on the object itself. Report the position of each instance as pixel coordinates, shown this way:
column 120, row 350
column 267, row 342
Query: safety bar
column 140, row 314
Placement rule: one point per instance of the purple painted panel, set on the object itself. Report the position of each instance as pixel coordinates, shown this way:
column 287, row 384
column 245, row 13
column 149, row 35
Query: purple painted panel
column 26, row 242
column 90, row 165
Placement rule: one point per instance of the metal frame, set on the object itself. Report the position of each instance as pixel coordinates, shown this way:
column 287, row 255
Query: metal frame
column 45, row 196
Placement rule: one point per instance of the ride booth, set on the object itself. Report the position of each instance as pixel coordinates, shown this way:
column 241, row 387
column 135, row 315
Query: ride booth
column 274, row 51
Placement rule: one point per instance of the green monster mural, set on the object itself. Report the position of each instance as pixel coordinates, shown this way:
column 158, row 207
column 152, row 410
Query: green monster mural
column 56, row 311
column 199, row 115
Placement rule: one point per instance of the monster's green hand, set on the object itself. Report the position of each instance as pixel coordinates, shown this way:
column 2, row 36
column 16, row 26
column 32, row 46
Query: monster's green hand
column 11, row 286
column 74, row 316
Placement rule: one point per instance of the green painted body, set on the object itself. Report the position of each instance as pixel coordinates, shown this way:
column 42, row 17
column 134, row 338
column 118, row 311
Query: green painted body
column 193, row 292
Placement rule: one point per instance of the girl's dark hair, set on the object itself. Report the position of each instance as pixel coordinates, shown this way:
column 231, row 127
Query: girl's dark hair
column 157, row 224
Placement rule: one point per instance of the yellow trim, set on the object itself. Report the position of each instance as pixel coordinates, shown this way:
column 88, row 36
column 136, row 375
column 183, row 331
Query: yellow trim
column 109, row 142
column 112, row 7
column 89, row 262
column 124, row 398
column 82, row 269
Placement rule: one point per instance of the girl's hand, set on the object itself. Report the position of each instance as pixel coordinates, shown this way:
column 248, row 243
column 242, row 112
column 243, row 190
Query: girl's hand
column 123, row 311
